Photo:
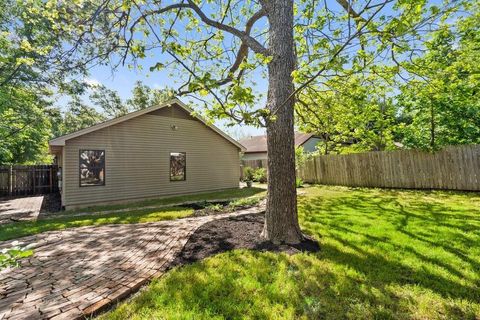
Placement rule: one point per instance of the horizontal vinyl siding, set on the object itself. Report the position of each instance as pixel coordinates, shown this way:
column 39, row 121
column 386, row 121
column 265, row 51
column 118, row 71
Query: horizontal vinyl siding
column 255, row 156
column 137, row 155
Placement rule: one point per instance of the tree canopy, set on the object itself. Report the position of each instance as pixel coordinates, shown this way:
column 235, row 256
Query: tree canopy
column 427, row 101
column 441, row 104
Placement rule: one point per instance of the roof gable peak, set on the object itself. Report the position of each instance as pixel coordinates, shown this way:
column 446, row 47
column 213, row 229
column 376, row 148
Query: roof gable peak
column 60, row 141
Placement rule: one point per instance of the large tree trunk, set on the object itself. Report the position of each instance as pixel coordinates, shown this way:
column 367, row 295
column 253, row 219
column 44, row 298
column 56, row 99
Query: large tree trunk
column 281, row 220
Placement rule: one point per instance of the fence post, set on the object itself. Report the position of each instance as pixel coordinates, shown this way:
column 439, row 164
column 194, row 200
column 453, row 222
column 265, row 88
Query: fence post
column 51, row 179
column 33, row 179
column 10, row 180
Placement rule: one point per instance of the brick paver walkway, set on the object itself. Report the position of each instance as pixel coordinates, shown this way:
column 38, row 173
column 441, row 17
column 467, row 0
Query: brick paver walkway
column 76, row 272
column 20, row 209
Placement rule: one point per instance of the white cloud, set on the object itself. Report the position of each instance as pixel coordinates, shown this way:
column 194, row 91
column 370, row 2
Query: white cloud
column 92, row 82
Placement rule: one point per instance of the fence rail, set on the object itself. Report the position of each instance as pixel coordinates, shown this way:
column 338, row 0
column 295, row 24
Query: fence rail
column 28, row 180
column 452, row 168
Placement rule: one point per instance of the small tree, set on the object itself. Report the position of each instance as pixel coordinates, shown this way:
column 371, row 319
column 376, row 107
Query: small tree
column 248, row 173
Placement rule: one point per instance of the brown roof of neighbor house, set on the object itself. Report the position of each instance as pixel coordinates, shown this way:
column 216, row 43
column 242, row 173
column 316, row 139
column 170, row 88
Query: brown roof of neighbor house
column 256, row 144
column 60, row 141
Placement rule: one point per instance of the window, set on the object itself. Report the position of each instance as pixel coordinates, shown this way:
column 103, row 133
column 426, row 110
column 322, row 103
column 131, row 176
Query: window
column 178, row 163
column 92, row 168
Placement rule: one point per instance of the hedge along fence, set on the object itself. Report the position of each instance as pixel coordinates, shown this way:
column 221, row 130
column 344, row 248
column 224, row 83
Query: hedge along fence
column 452, row 168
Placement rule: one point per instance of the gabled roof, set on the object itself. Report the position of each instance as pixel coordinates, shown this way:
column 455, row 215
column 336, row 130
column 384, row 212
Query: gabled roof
column 259, row 143
column 60, row 141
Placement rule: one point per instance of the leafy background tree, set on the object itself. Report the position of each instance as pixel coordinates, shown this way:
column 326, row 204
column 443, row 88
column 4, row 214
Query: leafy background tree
column 352, row 115
column 101, row 103
column 424, row 102
column 29, row 71
column 24, row 126
column 441, row 105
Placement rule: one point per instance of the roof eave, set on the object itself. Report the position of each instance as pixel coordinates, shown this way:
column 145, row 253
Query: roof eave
column 55, row 143
column 60, row 141
column 255, row 151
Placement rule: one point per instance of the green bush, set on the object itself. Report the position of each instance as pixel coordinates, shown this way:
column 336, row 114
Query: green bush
column 243, row 203
column 214, row 207
column 260, row 175
column 299, row 182
column 248, row 173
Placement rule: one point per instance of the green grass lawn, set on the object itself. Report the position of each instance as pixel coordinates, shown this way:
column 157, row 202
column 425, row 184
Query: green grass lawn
column 227, row 194
column 384, row 255
column 20, row 229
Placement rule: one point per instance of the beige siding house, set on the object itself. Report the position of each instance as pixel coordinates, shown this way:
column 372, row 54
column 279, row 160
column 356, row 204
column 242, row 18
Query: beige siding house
column 256, row 146
column 155, row 152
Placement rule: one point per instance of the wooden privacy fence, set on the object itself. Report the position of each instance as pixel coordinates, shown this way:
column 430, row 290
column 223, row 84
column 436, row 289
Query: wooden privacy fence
column 28, row 180
column 452, row 168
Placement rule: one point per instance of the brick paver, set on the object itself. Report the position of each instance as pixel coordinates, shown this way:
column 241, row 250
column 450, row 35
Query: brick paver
column 75, row 272
column 20, row 209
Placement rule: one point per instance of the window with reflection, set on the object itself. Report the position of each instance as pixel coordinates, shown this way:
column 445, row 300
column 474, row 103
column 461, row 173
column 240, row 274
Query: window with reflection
column 178, row 162
column 92, row 168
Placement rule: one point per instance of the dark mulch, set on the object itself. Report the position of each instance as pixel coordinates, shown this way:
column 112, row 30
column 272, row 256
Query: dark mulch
column 242, row 232
column 51, row 203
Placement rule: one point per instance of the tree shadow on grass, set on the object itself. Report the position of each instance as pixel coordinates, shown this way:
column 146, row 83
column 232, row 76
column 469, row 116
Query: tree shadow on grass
column 263, row 285
column 367, row 225
column 374, row 263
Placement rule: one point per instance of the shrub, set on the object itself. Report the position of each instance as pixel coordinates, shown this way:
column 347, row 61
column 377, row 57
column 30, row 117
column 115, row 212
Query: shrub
column 214, row 207
column 299, row 182
column 260, row 175
column 243, row 203
column 248, row 173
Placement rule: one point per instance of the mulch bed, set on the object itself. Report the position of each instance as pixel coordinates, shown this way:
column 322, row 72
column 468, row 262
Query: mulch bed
column 241, row 232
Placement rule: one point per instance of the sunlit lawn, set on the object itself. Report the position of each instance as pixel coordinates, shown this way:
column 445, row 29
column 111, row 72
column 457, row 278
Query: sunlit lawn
column 20, row 229
column 132, row 215
column 234, row 193
column 384, row 255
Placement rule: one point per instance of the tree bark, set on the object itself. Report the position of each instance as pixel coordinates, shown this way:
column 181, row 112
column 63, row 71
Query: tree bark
column 281, row 219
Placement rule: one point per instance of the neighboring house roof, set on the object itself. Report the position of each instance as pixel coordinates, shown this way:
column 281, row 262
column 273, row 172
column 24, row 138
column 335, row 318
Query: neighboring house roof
column 258, row 144
column 60, row 141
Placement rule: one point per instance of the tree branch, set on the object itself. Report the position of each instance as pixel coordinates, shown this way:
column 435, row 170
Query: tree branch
column 251, row 42
column 334, row 56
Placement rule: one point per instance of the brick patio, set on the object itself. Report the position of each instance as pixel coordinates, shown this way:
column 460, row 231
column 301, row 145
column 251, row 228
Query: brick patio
column 76, row 272
column 20, row 209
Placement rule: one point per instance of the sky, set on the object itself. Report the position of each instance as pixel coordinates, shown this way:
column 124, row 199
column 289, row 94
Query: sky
column 123, row 81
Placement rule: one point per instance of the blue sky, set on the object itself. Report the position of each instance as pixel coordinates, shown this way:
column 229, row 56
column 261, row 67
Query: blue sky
column 123, row 80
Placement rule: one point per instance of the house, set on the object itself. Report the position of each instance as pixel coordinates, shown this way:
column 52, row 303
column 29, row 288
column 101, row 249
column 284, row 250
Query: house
column 257, row 145
column 158, row 151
